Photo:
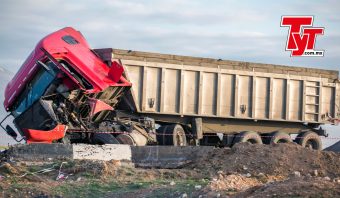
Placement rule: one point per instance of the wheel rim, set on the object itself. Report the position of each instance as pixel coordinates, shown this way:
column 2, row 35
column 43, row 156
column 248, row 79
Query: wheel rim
column 179, row 139
column 311, row 144
column 248, row 136
column 252, row 141
column 282, row 141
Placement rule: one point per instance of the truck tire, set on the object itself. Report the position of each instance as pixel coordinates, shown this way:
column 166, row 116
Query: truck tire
column 248, row 136
column 309, row 140
column 278, row 137
column 160, row 135
column 173, row 134
column 104, row 138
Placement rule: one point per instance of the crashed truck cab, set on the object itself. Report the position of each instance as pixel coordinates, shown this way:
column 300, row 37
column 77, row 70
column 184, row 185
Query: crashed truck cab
column 62, row 85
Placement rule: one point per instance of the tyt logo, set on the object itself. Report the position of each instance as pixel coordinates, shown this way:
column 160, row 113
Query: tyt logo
column 301, row 35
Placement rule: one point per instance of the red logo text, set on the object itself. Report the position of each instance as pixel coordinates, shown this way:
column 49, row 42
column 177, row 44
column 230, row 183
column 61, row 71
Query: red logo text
column 302, row 35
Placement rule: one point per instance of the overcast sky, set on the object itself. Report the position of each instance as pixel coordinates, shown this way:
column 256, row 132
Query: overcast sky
column 236, row 30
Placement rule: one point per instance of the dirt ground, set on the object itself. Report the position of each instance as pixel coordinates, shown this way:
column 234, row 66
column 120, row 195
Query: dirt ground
column 283, row 170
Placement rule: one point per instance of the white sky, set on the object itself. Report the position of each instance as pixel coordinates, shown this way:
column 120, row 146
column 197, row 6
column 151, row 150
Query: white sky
column 233, row 29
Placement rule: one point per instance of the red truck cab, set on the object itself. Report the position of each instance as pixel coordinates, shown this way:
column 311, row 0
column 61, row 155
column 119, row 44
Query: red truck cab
column 61, row 64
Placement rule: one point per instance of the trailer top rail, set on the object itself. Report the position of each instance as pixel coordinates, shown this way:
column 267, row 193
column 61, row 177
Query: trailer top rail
column 111, row 53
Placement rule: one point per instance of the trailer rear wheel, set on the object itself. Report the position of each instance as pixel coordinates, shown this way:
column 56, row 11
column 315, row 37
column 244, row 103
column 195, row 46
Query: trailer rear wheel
column 104, row 138
column 278, row 137
column 248, row 136
column 309, row 140
column 172, row 135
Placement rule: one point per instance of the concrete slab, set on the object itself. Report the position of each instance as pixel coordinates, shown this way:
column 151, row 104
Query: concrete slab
column 165, row 156
column 102, row 152
column 141, row 156
column 40, row 152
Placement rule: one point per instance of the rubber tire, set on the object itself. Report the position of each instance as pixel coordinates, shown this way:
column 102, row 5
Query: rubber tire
column 104, row 138
column 248, row 136
column 160, row 135
column 168, row 135
column 275, row 137
column 307, row 139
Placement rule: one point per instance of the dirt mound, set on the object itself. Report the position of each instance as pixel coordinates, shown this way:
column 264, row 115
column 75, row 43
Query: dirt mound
column 280, row 159
column 282, row 170
column 295, row 187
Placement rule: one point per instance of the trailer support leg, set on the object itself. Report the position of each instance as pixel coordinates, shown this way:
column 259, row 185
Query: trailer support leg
column 197, row 128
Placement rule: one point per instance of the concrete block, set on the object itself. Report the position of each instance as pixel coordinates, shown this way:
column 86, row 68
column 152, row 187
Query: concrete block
column 165, row 156
column 102, row 152
column 38, row 152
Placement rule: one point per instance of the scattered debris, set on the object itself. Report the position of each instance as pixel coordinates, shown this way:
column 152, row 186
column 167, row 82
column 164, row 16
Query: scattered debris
column 327, row 179
column 297, row 174
column 233, row 183
column 184, row 195
column 61, row 175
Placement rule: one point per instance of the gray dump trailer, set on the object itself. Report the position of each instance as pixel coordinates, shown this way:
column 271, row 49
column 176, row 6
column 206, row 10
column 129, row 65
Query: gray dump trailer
column 225, row 102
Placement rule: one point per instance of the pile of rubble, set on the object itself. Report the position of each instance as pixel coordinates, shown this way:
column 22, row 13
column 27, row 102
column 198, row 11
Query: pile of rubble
column 281, row 170
column 280, row 159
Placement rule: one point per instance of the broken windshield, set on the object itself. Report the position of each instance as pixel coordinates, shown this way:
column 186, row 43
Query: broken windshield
column 35, row 89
